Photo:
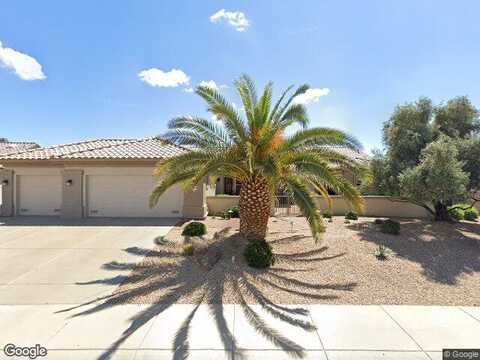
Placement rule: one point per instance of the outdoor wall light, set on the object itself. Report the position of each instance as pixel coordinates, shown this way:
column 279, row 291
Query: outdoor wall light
column 5, row 182
column 69, row 183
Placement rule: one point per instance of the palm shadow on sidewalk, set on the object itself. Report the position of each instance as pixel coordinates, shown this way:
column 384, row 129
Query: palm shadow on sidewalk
column 166, row 277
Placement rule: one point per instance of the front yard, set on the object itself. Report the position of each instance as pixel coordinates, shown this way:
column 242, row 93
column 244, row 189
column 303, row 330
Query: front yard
column 428, row 263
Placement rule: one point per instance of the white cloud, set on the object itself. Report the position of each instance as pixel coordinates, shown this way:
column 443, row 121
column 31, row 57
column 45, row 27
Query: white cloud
column 235, row 18
column 311, row 95
column 24, row 66
column 188, row 90
column 209, row 83
column 157, row 77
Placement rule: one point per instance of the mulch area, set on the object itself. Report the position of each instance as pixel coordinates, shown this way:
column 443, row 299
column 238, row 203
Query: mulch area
column 428, row 263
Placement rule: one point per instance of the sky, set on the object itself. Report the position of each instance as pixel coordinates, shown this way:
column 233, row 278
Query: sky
column 72, row 71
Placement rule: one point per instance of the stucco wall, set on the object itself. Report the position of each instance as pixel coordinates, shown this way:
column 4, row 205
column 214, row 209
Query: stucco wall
column 220, row 203
column 383, row 206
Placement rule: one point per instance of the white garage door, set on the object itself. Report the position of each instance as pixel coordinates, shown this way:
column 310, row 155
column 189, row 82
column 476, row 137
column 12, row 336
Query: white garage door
column 39, row 194
column 127, row 196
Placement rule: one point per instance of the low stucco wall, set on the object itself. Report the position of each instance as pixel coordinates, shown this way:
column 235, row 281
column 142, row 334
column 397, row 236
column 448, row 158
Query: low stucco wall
column 220, row 203
column 382, row 206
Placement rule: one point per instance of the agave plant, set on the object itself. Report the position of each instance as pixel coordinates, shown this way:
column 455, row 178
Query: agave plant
column 253, row 148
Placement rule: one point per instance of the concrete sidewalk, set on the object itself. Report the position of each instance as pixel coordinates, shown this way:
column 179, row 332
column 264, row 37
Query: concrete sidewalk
column 164, row 331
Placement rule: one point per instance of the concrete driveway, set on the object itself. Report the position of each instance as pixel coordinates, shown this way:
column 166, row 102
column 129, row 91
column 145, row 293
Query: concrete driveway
column 49, row 261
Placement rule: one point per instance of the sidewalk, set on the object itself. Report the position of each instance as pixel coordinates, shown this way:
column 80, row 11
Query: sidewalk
column 163, row 331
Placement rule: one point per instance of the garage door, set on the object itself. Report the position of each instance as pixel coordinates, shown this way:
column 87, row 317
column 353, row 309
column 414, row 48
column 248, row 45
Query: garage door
column 127, row 196
column 39, row 194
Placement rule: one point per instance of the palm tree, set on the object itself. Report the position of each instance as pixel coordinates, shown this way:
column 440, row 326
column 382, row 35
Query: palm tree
column 255, row 150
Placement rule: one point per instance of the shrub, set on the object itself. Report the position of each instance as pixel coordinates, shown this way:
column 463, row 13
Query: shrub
column 471, row 214
column 233, row 212
column 195, row 228
column 258, row 254
column 327, row 214
column 390, row 226
column 381, row 253
column 351, row 215
column 457, row 213
column 378, row 221
column 188, row 249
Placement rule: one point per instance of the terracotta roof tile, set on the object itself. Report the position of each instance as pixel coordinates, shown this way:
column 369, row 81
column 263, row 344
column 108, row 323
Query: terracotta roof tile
column 101, row 149
column 9, row 147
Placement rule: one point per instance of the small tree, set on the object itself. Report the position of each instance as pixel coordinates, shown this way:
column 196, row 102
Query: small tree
column 406, row 168
column 438, row 180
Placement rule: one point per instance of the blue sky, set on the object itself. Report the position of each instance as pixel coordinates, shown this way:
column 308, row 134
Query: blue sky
column 371, row 55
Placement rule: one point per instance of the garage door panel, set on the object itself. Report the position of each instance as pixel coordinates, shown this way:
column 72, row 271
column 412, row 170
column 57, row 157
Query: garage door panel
column 39, row 194
column 128, row 196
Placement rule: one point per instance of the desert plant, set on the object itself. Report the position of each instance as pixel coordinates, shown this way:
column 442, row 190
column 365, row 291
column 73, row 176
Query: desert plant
column 351, row 215
column 195, row 228
column 471, row 214
column 258, row 254
column 457, row 213
column 233, row 212
column 390, row 226
column 253, row 148
column 327, row 214
column 188, row 250
column 381, row 253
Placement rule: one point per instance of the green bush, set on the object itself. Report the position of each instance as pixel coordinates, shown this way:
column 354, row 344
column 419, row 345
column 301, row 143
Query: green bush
column 188, row 249
column 471, row 214
column 327, row 214
column 351, row 215
column 378, row 221
column 195, row 228
column 258, row 254
column 233, row 212
column 390, row 226
column 457, row 213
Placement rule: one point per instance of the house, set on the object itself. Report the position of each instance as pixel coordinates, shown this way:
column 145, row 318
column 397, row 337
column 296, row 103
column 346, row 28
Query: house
column 9, row 147
column 229, row 186
column 95, row 178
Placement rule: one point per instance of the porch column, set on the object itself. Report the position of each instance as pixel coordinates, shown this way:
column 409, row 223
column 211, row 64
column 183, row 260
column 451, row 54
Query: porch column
column 6, row 184
column 195, row 202
column 72, row 194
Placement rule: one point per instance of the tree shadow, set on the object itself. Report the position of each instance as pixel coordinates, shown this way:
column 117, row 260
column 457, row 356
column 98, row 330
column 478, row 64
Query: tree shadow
column 445, row 251
column 166, row 277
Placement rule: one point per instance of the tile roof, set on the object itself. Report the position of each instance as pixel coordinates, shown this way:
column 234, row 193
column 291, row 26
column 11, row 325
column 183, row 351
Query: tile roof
column 101, row 149
column 350, row 153
column 9, row 147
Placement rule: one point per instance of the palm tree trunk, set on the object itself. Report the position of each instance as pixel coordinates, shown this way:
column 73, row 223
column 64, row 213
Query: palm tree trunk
column 254, row 205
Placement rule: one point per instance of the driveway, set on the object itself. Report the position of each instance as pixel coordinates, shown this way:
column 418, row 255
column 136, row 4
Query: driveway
column 50, row 261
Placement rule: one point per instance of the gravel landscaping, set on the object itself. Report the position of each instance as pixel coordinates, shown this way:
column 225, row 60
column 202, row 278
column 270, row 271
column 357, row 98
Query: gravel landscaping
column 428, row 263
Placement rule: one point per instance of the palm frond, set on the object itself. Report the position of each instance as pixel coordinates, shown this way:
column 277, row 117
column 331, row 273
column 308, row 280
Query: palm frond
column 225, row 112
column 166, row 183
column 247, row 92
column 305, row 199
column 262, row 110
column 300, row 90
column 295, row 114
column 210, row 131
column 320, row 136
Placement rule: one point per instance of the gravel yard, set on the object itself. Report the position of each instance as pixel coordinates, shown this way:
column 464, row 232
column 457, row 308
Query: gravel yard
column 428, row 263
